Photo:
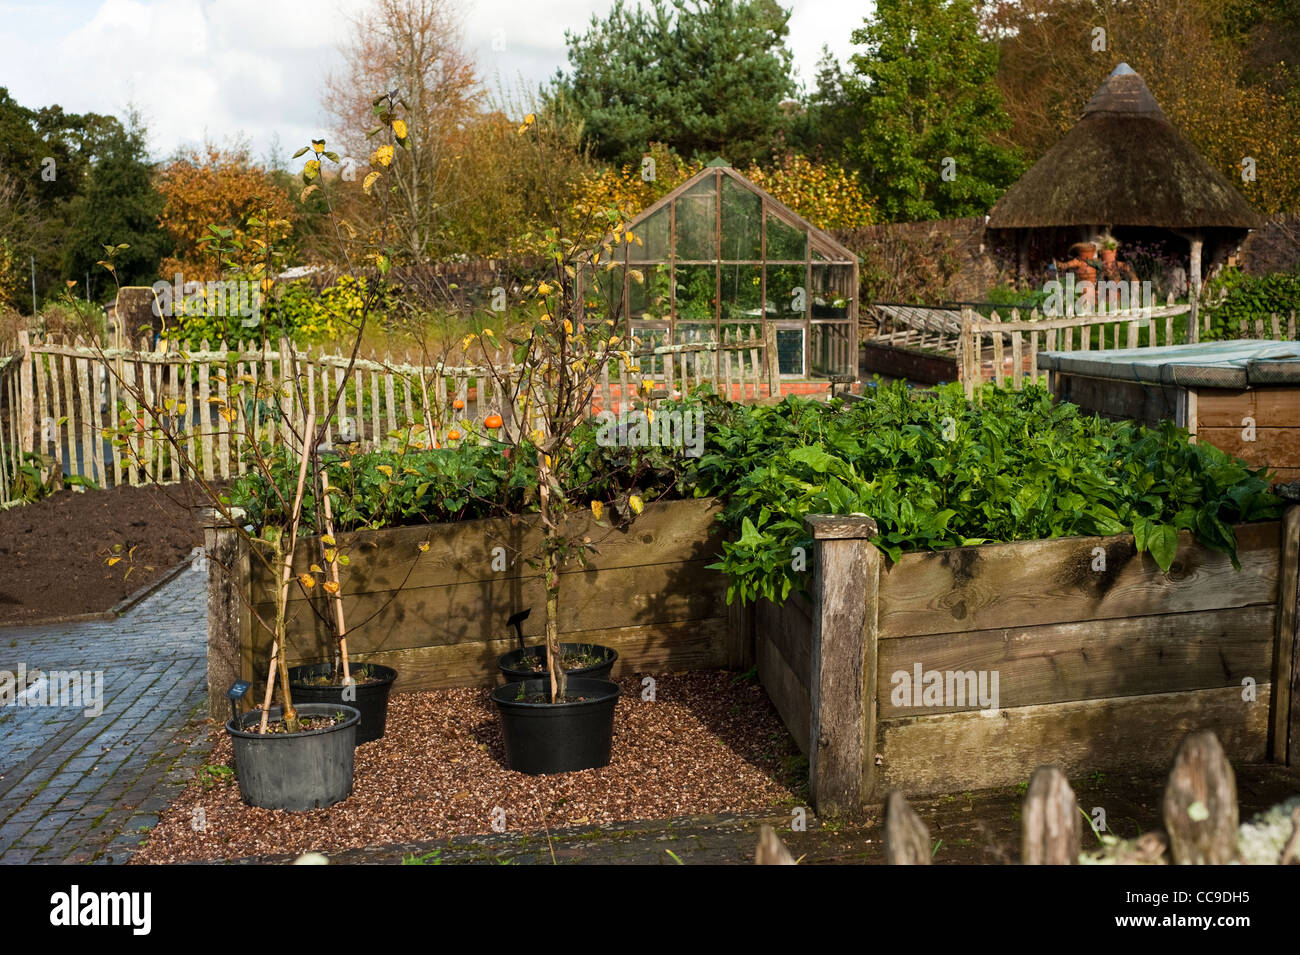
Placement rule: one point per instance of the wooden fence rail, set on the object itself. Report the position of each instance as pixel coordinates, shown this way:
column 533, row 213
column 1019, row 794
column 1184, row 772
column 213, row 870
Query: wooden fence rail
column 63, row 401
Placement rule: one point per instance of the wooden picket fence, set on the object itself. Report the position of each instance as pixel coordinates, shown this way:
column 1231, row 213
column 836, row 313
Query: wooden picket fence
column 60, row 399
column 991, row 349
column 1200, row 811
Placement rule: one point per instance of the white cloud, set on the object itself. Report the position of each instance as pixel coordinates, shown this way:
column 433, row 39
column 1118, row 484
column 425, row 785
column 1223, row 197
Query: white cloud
column 221, row 69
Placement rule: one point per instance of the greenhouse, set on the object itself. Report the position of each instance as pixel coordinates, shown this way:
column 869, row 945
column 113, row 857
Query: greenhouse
column 719, row 260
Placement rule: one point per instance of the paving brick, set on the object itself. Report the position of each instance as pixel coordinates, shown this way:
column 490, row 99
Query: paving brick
column 73, row 783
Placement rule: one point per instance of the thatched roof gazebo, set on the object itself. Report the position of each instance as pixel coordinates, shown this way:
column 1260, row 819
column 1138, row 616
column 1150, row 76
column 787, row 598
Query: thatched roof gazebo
column 1124, row 170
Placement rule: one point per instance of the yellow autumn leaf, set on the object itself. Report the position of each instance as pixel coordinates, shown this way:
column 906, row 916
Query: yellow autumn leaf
column 113, row 560
column 528, row 121
column 544, row 288
column 316, row 569
column 635, row 503
column 384, row 469
column 399, row 128
column 369, row 181
column 424, row 547
column 327, row 539
column 307, row 580
column 568, row 327
column 330, row 587
column 597, row 509
column 383, row 156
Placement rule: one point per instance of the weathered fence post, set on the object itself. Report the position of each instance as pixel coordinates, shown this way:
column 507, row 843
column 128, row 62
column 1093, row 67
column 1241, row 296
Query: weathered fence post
column 968, row 352
column 1200, row 807
column 773, row 361
column 1050, row 829
column 26, row 410
column 842, row 730
column 771, row 850
column 907, row 840
column 228, row 616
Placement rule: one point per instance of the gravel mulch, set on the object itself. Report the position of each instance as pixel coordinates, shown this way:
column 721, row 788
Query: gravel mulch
column 709, row 743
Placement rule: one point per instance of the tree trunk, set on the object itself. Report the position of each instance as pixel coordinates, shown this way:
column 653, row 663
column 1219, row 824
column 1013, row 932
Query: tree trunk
column 554, row 661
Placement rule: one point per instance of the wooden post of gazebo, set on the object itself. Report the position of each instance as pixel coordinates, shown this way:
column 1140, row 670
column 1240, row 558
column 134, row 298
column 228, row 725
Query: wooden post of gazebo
column 1196, row 243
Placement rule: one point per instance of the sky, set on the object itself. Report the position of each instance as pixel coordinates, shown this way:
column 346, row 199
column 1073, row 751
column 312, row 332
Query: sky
column 231, row 70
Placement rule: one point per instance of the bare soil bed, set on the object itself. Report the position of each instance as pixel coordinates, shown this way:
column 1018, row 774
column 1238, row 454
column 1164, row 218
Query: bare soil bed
column 709, row 743
column 54, row 553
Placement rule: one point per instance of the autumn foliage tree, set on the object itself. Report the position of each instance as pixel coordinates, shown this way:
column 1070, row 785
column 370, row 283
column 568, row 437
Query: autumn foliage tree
column 1202, row 59
column 415, row 46
column 221, row 187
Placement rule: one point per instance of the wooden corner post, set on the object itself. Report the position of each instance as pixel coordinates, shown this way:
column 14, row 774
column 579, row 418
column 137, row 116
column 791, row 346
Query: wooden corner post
column 1286, row 656
column 227, row 565
column 842, row 733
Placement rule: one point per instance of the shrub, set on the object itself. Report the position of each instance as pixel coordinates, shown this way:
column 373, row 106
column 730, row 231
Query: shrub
column 1249, row 297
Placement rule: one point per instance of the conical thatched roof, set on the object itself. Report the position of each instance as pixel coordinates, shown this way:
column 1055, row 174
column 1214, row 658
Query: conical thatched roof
column 1123, row 164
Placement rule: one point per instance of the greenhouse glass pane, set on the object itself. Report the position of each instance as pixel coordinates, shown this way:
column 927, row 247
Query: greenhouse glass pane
column 696, row 292
column 787, row 296
column 648, row 299
column 832, row 287
column 653, row 233
column 742, row 222
column 697, row 220
column 741, row 291
column 784, row 241
column 831, row 350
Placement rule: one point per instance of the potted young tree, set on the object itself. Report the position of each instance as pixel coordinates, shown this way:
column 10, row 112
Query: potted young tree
column 551, row 369
column 289, row 754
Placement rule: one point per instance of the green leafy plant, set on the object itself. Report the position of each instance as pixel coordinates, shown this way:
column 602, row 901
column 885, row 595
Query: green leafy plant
column 936, row 471
column 432, row 857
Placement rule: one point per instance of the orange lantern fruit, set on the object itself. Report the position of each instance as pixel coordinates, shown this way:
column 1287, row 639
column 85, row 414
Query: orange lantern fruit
column 493, row 421
column 458, row 404
column 453, row 435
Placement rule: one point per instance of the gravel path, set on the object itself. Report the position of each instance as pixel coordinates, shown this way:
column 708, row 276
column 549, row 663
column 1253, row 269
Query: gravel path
column 709, row 743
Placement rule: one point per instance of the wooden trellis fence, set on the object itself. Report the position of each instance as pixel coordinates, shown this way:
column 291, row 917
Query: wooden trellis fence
column 59, row 400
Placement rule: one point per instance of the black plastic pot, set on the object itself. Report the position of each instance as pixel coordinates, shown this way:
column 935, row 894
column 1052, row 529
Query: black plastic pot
column 296, row 771
column 557, row 737
column 371, row 699
column 510, row 663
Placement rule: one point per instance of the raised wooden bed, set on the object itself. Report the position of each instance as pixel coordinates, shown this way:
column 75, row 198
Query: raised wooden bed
column 1241, row 396
column 1097, row 669
column 646, row 593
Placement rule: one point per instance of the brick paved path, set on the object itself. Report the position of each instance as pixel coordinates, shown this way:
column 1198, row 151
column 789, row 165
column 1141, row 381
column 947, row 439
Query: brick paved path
column 76, row 788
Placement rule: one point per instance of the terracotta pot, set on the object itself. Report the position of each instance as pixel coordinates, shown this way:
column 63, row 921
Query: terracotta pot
column 1108, row 256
